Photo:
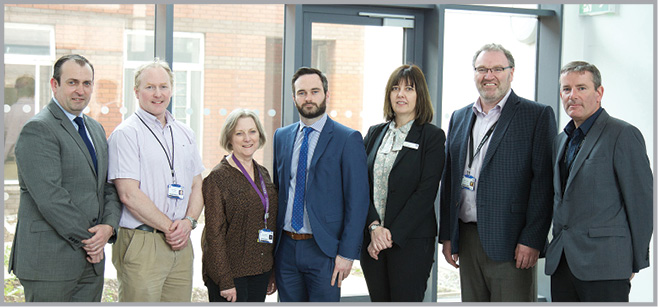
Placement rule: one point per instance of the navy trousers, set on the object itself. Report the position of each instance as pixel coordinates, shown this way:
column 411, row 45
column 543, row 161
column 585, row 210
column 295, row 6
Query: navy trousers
column 303, row 272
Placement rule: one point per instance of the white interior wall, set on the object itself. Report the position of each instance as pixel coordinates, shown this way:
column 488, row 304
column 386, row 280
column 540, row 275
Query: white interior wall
column 621, row 46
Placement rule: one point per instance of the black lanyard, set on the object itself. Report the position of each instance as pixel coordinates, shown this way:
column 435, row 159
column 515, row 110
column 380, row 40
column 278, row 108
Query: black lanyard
column 170, row 161
column 484, row 140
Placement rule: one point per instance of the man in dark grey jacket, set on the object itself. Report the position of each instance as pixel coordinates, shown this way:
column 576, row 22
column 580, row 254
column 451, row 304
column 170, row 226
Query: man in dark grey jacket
column 603, row 207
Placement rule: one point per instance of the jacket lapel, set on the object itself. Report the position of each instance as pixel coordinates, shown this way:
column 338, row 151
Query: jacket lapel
column 98, row 138
column 503, row 122
column 70, row 129
column 561, row 145
column 588, row 143
column 375, row 147
column 467, row 123
column 412, row 137
column 323, row 141
column 288, row 139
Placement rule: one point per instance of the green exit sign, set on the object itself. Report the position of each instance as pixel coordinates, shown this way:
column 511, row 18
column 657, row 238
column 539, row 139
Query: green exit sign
column 596, row 9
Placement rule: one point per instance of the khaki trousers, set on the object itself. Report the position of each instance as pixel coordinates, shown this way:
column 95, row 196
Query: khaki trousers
column 148, row 270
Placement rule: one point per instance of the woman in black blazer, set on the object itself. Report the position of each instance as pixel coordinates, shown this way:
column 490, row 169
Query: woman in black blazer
column 405, row 162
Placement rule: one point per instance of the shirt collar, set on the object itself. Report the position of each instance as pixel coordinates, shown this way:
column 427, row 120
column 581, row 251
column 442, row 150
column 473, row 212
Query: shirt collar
column 317, row 126
column 477, row 106
column 404, row 129
column 584, row 128
column 151, row 119
column 70, row 116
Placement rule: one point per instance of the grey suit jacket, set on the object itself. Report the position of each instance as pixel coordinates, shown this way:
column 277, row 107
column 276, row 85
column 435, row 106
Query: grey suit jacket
column 61, row 196
column 514, row 191
column 603, row 221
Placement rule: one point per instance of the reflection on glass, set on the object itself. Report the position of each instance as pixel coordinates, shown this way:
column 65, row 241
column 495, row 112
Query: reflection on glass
column 35, row 35
column 19, row 107
column 225, row 59
column 357, row 61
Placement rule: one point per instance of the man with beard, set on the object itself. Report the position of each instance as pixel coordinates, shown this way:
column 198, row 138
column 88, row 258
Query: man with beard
column 321, row 173
column 497, row 192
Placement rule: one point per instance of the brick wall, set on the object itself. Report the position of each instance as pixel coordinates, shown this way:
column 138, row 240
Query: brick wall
column 242, row 61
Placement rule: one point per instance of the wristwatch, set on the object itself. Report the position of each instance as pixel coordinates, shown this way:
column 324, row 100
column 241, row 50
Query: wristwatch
column 192, row 220
column 373, row 227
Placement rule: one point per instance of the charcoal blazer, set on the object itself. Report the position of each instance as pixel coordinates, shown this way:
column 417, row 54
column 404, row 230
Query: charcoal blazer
column 515, row 189
column 61, row 196
column 412, row 183
column 603, row 220
column 336, row 196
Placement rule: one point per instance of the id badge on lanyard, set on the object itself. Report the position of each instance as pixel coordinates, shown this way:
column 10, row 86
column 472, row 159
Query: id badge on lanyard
column 468, row 182
column 175, row 191
column 264, row 235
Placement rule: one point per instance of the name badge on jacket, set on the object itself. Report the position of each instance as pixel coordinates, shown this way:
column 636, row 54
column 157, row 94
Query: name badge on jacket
column 410, row 145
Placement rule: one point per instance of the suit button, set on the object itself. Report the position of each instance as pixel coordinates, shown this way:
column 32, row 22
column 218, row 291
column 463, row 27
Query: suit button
column 94, row 220
column 565, row 227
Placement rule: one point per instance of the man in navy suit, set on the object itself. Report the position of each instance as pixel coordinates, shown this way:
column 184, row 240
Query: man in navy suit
column 321, row 172
column 603, row 197
column 497, row 192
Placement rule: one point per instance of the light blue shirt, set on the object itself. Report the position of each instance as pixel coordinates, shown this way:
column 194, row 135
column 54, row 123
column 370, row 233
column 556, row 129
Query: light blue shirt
column 71, row 117
column 313, row 138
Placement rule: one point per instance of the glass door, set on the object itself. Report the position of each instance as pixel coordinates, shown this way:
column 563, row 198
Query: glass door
column 357, row 61
column 358, row 48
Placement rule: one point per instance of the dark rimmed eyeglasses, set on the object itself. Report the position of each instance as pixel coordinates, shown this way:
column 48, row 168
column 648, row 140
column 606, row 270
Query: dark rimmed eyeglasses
column 495, row 70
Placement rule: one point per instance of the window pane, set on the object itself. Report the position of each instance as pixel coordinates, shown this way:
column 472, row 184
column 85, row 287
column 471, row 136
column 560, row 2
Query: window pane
column 187, row 50
column 233, row 61
column 357, row 61
column 35, row 36
column 464, row 35
column 28, row 41
column 140, row 47
column 224, row 59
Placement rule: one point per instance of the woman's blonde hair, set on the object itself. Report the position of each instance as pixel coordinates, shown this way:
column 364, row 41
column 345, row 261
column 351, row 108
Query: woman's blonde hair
column 232, row 121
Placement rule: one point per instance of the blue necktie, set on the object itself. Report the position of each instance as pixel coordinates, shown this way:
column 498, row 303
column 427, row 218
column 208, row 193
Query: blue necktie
column 83, row 134
column 300, row 184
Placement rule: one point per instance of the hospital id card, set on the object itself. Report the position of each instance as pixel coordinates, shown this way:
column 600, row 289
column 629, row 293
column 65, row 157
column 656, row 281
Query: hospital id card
column 265, row 236
column 468, row 182
column 175, row 191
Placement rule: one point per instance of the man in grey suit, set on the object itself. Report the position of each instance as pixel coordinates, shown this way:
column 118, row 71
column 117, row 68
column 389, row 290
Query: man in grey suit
column 496, row 191
column 68, row 211
column 603, row 205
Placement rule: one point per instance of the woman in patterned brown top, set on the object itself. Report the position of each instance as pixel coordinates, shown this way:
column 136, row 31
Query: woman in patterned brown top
column 241, row 209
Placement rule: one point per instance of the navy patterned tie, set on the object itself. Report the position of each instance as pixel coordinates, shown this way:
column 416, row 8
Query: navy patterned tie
column 83, row 133
column 572, row 149
column 300, row 184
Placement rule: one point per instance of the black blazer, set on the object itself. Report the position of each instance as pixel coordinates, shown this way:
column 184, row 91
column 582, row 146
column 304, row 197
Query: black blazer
column 412, row 183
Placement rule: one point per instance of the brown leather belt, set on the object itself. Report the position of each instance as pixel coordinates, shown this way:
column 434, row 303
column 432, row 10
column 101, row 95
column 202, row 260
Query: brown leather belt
column 298, row 236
